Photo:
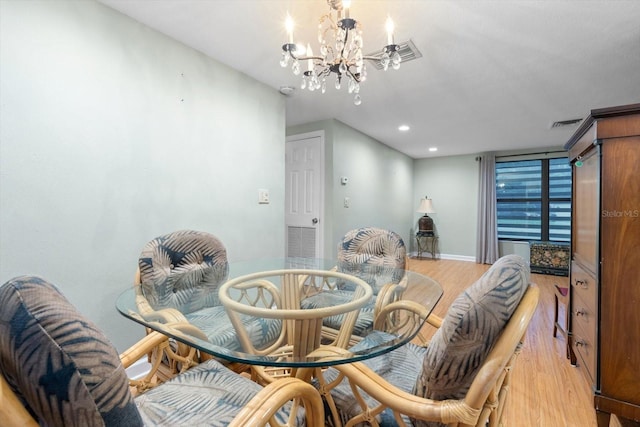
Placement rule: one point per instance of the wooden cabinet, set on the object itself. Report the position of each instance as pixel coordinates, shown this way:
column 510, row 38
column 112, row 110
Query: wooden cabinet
column 605, row 266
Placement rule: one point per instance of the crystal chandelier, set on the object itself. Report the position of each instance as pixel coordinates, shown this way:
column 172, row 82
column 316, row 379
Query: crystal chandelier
column 341, row 56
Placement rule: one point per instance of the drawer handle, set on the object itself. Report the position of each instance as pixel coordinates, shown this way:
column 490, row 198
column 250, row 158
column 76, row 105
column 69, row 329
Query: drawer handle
column 581, row 343
column 582, row 284
column 581, row 312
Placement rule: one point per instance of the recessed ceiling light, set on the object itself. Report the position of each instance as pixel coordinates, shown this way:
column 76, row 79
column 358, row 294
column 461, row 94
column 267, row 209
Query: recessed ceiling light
column 403, row 128
column 433, row 149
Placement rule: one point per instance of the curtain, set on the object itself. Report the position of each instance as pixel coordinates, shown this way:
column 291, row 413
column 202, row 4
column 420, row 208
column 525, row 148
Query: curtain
column 487, row 238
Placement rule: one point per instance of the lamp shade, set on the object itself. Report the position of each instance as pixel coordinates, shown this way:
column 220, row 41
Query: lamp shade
column 426, row 206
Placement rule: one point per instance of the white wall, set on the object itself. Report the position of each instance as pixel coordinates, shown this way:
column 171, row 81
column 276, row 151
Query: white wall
column 379, row 188
column 452, row 183
column 112, row 134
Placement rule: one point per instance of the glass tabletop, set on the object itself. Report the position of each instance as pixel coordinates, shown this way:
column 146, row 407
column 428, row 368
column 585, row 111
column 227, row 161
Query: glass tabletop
column 287, row 312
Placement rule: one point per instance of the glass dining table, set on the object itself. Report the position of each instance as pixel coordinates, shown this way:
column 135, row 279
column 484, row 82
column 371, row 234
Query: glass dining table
column 286, row 314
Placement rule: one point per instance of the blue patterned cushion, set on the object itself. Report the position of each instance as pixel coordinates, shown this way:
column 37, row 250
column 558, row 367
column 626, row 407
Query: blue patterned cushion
column 372, row 254
column 207, row 395
column 399, row 367
column 68, row 374
column 183, row 270
column 469, row 330
column 215, row 324
column 446, row 368
column 375, row 255
column 364, row 323
column 57, row 361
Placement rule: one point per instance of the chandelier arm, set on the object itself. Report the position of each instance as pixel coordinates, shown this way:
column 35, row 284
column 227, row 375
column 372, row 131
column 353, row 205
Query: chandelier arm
column 304, row 58
column 325, row 72
column 293, row 55
column 352, row 75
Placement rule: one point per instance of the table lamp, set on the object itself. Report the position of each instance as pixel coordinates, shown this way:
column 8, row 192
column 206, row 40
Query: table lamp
column 425, row 223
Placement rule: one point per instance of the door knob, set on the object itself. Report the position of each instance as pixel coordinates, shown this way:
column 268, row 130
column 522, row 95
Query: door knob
column 314, row 220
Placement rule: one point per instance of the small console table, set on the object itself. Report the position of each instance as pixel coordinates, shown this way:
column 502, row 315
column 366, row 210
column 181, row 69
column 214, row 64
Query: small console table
column 427, row 241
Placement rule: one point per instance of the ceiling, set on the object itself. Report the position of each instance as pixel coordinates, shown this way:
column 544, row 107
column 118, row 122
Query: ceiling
column 494, row 75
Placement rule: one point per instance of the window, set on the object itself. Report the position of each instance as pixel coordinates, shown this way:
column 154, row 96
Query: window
column 534, row 200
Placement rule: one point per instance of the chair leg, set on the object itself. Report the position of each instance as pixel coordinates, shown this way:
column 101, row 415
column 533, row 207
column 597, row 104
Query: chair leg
column 555, row 316
column 570, row 354
column 560, row 294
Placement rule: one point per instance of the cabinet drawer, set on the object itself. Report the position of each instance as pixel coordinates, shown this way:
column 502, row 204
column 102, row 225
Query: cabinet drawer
column 584, row 345
column 584, row 286
column 583, row 317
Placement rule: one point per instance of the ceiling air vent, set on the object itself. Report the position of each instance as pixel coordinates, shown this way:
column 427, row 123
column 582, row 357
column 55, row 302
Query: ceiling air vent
column 564, row 123
column 408, row 52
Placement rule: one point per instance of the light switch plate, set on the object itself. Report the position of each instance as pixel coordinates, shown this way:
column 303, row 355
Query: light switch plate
column 263, row 196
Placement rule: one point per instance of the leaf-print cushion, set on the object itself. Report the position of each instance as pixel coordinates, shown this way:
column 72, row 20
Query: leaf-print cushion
column 183, row 270
column 364, row 322
column 375, row 255
column 58, row 362
column 207, row 395
column 446, row 368
column 469, row 330
column 398, row 367
column 372, row 254
column 215, row 324
column 67, row 373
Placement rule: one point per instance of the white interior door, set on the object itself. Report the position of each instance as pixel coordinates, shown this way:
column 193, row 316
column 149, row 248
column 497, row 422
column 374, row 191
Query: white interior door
column 304, row 195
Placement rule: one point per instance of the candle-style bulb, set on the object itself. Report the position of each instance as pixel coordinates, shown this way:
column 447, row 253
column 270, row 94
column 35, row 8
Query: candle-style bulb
column 346, row 4
column 288, row 24
column 309, row 61
column 390, row 27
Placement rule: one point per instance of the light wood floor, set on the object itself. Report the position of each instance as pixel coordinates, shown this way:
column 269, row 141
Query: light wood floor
column 546, row 390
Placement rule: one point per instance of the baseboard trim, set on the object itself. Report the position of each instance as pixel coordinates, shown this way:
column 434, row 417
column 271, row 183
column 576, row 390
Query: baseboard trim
column 427, row 256
column 459, row 257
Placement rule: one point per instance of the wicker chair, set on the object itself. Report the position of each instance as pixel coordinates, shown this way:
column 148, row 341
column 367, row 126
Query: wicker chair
column 58, row 369
column 462, row 377
column 375, row 255
column 179, row 275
